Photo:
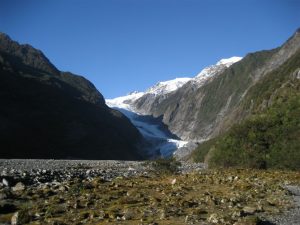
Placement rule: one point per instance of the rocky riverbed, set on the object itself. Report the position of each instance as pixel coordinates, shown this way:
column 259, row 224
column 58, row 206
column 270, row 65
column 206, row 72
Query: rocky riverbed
column 119, row 192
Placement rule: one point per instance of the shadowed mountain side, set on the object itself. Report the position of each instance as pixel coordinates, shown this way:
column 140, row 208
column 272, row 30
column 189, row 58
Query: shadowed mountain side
column 46, row 113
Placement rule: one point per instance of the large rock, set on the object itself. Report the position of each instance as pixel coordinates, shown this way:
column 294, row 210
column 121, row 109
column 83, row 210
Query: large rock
column 19, row 187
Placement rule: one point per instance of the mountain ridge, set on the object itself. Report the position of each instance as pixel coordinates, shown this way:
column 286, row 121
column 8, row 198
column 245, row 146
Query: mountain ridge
column 166, row 87
column 46, row 113
column 201, row 111
column 268, row 137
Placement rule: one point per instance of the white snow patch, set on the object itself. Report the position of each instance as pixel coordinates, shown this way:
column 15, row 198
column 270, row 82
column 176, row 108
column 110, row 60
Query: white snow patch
column 168, row 86
column 228, row 62
column 212, row 70
column 124, row 102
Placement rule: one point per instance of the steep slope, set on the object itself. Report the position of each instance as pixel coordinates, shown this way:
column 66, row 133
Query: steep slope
column 138, row 105
column 142, row 102
column 269, row 137
column 46, row 113
column 152, row 101
column 199, row 113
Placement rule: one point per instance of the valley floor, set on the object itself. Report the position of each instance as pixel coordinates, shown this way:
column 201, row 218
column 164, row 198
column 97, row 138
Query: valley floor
column 116, row 192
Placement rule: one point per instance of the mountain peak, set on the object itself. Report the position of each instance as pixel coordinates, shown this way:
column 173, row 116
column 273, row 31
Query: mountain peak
column 212, row 70
column 28, row 55
column 229, row 61
column 168, row 86
column 4, row 36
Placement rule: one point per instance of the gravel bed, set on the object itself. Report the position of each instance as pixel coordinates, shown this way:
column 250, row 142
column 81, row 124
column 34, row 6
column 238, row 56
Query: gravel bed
column 50, row 164
column 291, row 217
column 35, row 171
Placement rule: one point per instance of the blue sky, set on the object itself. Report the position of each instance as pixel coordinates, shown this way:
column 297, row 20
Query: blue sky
column 126, row 45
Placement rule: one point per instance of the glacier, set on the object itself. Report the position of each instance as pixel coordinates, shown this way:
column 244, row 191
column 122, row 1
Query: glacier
column 164, row 143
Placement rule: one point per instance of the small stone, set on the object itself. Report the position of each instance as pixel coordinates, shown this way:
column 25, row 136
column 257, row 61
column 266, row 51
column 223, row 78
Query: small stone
column 3, row 196
column 19, row 187
column 14, row 219
column 102, row 215
column 249, row 220
column 186, row 220
column 5, row 182
column 127, row 215
column 162, row 215
column 230, row 178
column 173, row 181
column 236, row 214
column 213, row 218
column 62, row 188
column 118, row 218
column 271, row 201
column 248, row 210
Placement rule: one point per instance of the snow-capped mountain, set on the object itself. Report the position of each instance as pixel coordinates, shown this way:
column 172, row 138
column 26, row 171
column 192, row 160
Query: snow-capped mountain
column 161, row 88
column 165, row 87
column 124, row 102
column 136, row 105
column 212, row 70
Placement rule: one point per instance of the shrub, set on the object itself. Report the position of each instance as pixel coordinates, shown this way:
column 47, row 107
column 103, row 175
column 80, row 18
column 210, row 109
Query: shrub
column 166, row 165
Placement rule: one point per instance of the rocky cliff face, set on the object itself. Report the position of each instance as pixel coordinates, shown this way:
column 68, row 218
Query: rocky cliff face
column 46, row 113
column 267, row 134
column 199, row 112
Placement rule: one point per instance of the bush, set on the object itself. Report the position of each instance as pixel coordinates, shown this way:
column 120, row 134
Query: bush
column 267, row 140
column 165, row 166
column 269, row 135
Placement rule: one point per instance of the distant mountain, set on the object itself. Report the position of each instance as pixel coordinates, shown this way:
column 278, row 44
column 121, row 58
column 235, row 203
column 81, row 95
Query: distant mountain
column 208, row 105
column 198, row 111
column 150, row 101
column 46, row 113
column 136, row 104
column 160, row 141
